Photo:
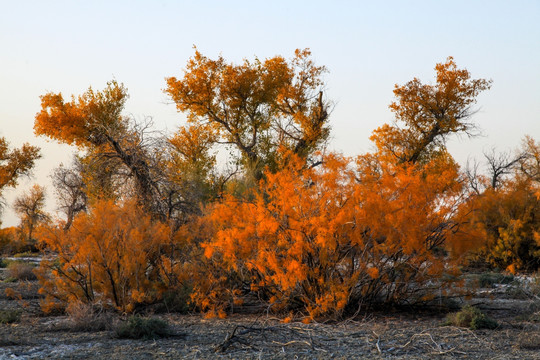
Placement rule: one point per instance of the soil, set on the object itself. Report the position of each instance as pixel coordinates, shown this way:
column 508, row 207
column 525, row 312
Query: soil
column 390, row 335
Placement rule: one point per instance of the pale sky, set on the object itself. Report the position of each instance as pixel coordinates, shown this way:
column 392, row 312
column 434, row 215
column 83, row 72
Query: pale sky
column 368, row 46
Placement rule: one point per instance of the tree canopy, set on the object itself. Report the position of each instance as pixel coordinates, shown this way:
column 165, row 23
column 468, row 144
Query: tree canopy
column 427, row 114
column 257, row 106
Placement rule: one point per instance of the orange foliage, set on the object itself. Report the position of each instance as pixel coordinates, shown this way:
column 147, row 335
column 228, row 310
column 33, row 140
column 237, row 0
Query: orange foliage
column 429, row 113
column 506, row 216
column 319, row 240
column 114, row 255
column 84, row 121
column 15, row 163
column 324, row 239
column 255, row 106
column 8, row 237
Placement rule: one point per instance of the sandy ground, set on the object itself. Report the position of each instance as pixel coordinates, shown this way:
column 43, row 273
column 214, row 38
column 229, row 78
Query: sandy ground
column 390, row 335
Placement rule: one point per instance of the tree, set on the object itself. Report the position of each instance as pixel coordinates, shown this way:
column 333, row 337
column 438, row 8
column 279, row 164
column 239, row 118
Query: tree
column 15, row 163
column 502, row 164
column 506, row 211
column 530, row 162
column 117, row 146
column 256, row 106
column 30, row 208
column 71, row 191
column 427, row 114
column 190, row 166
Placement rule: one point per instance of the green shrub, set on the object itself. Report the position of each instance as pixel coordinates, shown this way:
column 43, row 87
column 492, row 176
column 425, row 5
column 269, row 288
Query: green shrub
column 177, row 300
column 488, row 280
column 27, row 254
column 137, row 327
column 471, row 317
column 9, row 316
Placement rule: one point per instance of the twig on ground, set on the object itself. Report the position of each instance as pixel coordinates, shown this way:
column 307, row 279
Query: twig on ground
column 227, row 342
column 293, row 342
column 377, row 343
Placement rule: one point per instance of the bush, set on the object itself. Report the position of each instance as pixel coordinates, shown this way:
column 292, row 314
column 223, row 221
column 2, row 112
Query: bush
column 84, row 317
column 114, row 255
column 319, row 240
column 137, row 327
column 472, row 318
column 9, row 316
column 20, row 271
column 177, row 300
column 488, row 280
column 27, row 254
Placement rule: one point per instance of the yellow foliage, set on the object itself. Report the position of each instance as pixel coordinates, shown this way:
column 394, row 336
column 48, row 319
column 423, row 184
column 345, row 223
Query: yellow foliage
column 15, row 163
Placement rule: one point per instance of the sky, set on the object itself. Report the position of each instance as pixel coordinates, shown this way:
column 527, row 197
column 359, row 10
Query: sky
column 367, row 46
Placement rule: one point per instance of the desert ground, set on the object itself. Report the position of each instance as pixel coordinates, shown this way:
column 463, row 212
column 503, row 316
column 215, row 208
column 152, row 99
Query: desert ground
column 412, row 333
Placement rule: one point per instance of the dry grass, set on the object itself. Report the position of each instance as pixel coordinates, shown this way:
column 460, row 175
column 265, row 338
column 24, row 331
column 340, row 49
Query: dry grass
column 529, row 340
column 21, row 271
column 85, row 317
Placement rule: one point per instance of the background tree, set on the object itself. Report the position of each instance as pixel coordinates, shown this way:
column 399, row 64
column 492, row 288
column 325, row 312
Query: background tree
column 530, row 162
column 15, row 163
column 502, row 164
column 256, row 106
column 190, row 166
column 506, row 210
column 30, row 208
column 70, row 188
column 427, row 114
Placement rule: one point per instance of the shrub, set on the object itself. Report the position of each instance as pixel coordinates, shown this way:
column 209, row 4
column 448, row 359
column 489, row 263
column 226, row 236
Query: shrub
column 177, row 300
column 471, row 317
column 26, row 254
column 84, row 317
column 8, row 240
column 21, row 271
column 115, row 255
column 487, row 280
column 137, row 327
column 508, row 218
column 9, row 316
column 330, row 239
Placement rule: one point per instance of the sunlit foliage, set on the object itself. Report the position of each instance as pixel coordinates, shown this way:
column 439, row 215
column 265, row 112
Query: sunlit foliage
column 427, row 114
column 257, row 106
column 114, row 255
column 508, row 216
column 336, row 237
column 292, row 227
column 15, row 163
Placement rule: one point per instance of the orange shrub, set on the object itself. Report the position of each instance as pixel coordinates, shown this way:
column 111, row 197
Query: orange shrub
column 337, row 237
column 9, row 243
column 115, row 255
